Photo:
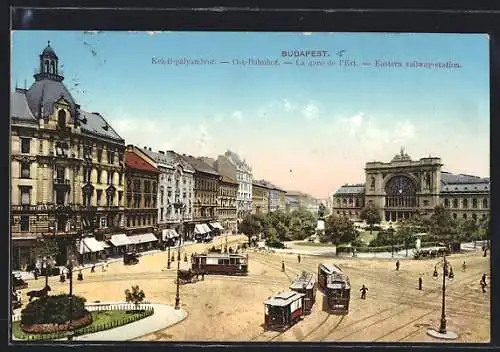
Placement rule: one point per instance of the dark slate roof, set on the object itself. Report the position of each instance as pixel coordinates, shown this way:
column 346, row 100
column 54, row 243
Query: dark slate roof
column 96, row 125
column 199, row 165
column 46, row 92
column 167, row 159
column 465, row 187
column 269, row 185
column 351, row 189
column 260, row 184
column 448, row 178
column 178, row 159
column 49, row 52
column 227, row 179
column 19, row 106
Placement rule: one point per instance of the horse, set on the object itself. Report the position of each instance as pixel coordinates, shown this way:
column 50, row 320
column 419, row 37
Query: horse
column 41, row 293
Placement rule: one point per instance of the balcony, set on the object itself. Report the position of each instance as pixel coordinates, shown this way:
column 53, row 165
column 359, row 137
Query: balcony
column 61, row 183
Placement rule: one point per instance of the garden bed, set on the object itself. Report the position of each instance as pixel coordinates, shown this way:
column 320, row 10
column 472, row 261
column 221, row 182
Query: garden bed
column 101, row 320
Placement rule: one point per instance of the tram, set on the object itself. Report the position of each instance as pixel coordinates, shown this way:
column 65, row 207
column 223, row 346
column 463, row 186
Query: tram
column 283, row 310
column 306, row 284
column 220, row 263
column 336, row 286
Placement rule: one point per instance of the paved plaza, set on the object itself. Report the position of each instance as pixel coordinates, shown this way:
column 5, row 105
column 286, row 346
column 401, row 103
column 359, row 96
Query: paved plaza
column 228, row 308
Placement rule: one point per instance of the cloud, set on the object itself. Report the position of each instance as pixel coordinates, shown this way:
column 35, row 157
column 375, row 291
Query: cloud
column 151, row 33
column 237, row 115
column 203, row 139
column 288, row 105
column 372, row 134
column 310, row 111
column 307, row 33
column 92, row 32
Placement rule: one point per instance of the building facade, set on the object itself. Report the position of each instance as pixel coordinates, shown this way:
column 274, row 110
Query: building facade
column 275, row 196
column 404, row 187
column 206, row 196
column 175, row 191
column 260, row 198
column 66, row 167
column 141, row 195
column 227, row 212
column 232, row 166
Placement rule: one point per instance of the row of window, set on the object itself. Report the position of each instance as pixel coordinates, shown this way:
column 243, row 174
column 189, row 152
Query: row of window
column 147, row 186
column 134, row 201
column 110, row 197
column 465, row 203
column 206, row 185
column 174, row 211
column 141, row 220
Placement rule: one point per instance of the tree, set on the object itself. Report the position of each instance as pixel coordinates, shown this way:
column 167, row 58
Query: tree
column 441, row 224
column 338, row 229
column 47, row 248
column 406, row 233
column 250, row 226
column 302, row 224
column 468, row 229
column 280, row 221
column 371, row 215
column 135, row 295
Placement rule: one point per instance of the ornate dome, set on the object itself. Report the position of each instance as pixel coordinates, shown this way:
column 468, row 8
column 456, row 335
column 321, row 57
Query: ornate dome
column 44, row 93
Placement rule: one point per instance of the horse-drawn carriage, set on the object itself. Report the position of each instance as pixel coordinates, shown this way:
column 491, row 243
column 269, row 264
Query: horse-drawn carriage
column 130, row 258
column 430, row 252
column 18, row 282
column 189, row 276
column 306, row 284
column 283, row 310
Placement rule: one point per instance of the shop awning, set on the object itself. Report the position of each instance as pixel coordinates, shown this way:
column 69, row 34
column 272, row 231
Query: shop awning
column 142, row 238
column 207, row 229
column 199, row 229
column 119, row 240
column 216, row 225
column 169, row 233
column 89, row 245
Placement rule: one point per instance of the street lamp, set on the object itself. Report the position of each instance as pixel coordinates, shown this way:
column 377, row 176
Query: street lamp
column 168, row 261
column 71, row 263
column 443, row 333
column 177, row 298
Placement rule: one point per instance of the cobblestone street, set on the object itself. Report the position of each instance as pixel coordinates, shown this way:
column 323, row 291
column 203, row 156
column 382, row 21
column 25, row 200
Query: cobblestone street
column 228, row 308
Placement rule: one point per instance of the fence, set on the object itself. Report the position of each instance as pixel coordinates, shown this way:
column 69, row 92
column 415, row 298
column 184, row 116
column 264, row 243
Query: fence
column 142, row 310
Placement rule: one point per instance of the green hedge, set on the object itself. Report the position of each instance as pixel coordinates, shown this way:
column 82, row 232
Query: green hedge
column 53, row 310
column 397, row 247
column 93, row 328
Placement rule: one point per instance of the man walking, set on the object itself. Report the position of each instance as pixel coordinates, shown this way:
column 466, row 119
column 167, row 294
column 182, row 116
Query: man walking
column 298, row 258
column 483, row 283
column 397, row 265
column 283, row 265
column 464, row 266
column 363, row 291
column 420, row 283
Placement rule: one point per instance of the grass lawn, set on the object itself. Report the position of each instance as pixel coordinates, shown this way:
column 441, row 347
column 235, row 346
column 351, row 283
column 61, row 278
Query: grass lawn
column 313, row 244
column 366, row 237
column 99, row 319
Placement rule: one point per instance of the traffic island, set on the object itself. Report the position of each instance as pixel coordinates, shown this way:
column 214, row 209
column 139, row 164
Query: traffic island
column 448, row 335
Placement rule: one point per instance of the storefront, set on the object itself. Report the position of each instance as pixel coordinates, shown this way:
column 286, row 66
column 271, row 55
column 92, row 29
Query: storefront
column 217, row 229
column 143, row 242
column 120, row 243
column 170, row 237
column 91, row 250
column 22, row 252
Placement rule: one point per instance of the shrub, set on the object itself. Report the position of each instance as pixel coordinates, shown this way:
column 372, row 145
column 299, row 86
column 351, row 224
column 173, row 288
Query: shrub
column 52, row 310
column 274, row 243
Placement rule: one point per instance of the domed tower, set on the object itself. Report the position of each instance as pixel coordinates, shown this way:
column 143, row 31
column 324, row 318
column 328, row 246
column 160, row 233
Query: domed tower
column 48, row 90
column 49, row 66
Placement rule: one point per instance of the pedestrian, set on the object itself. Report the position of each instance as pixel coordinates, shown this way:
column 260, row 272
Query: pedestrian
column 363, row 291
column 483, row 286
column 298, row 258
column 464, row 266
column 483, row 278
column 485, row 251
column 80, row 275
column 283, row 265
column 92, row 270
column 103, row 268
column 451, row 275
column 397, row 265
column 35, row 272
column 420, row 283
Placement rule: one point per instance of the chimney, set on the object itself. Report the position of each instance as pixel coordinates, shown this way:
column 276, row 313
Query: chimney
column 161, row 152
column 145, row 148
column 149, row 148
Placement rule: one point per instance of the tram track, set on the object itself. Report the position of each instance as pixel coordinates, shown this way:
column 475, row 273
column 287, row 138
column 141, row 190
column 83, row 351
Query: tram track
column 412, row 301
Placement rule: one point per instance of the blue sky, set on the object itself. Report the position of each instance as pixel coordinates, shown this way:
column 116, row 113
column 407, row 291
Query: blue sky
column 305, row 128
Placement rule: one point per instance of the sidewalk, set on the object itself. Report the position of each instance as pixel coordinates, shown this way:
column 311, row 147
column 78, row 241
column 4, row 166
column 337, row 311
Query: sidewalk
column 87, row 266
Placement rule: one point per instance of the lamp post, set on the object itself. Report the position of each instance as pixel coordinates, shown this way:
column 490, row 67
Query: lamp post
column 71, row 263
column 443, row 333
column 177, row 298
column 168, row 261
column 391, row 231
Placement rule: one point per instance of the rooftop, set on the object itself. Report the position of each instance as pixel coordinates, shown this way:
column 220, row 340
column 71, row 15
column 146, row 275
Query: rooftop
column 351, row 189
column 134, row 161
column 284, row 298
column 199, row 165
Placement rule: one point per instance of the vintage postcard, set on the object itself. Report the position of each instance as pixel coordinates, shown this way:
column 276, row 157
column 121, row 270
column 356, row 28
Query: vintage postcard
column 171, row 186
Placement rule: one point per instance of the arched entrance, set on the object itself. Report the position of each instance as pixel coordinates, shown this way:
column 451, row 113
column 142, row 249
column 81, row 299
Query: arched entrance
column 400, row 199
